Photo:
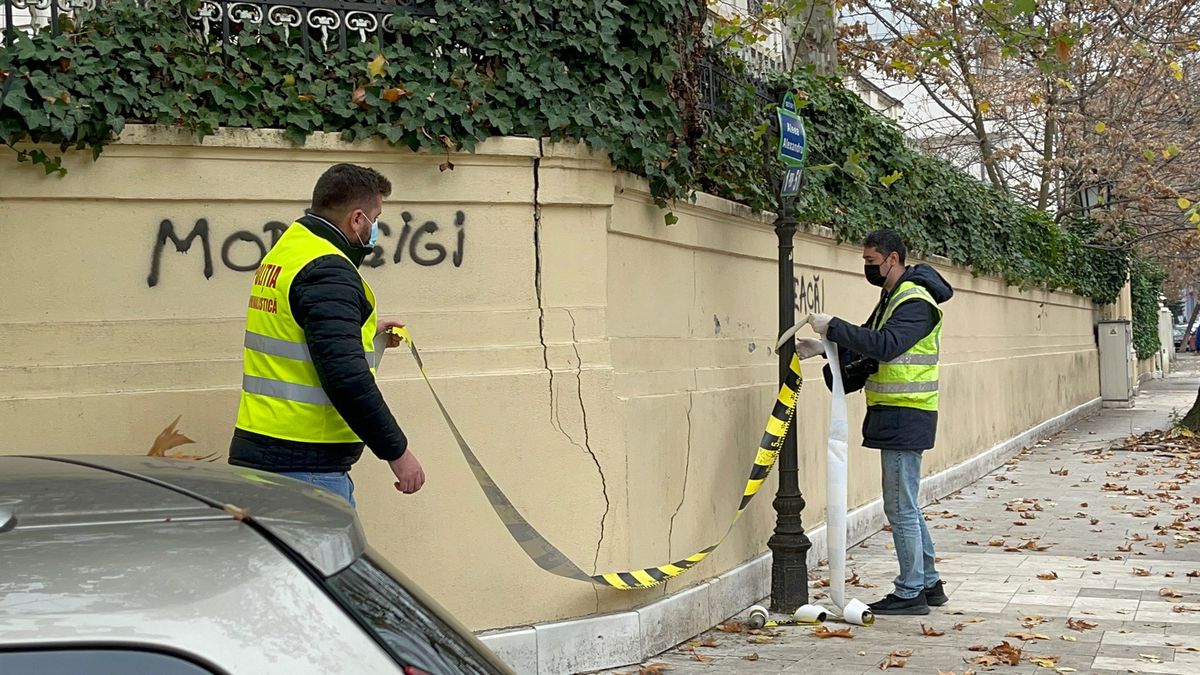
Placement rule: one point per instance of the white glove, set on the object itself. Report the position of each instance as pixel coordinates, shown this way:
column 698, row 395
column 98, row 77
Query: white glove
column 806, row 348
column 820, row 322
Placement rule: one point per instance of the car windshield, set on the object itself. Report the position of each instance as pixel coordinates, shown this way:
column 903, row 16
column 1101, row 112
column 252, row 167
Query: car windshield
column 413, row 634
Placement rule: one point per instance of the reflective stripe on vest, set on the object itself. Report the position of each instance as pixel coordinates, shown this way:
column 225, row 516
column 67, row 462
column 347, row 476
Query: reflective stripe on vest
column 282, row 395
column 911, row 379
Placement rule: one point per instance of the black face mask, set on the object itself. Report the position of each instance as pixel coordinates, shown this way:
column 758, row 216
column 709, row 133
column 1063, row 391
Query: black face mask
column 874, row 276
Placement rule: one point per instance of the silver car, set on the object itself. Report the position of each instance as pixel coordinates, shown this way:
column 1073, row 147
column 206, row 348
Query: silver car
column 161, row 566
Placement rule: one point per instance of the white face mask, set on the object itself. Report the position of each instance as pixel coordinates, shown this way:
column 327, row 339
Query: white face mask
column 374, row 235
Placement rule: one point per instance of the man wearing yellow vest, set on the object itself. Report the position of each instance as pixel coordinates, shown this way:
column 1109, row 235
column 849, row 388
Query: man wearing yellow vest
column 309, row 398
column 894, row 357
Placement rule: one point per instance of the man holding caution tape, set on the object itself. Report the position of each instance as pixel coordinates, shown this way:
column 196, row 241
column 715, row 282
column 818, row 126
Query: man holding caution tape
column 894, row 357
column 309, row 398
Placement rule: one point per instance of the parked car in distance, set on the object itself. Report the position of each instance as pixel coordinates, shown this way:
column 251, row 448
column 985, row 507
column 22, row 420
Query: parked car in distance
column 124, row 564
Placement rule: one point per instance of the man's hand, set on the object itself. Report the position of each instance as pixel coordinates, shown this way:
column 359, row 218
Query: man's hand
column 393, row 340
column 409, row 474
column 820, row 322
column 806, row 348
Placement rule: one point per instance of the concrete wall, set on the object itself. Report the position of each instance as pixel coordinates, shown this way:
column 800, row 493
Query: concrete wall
column 612, row 372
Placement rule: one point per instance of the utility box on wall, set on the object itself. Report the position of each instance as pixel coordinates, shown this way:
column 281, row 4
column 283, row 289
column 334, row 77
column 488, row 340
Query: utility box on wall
column 1166, row 339
column 1116, row 379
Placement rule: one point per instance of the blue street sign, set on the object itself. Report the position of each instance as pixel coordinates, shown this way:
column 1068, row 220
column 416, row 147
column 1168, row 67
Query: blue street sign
column 792, row 142
column 791, row 182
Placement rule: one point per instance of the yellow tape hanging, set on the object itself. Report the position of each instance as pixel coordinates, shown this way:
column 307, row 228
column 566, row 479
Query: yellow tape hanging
column 546, row 556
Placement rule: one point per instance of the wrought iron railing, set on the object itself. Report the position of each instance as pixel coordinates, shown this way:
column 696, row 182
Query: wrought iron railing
column 329, row 24
column 716, row 85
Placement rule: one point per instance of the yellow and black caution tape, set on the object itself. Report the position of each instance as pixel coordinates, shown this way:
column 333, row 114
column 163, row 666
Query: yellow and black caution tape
column 546, row 556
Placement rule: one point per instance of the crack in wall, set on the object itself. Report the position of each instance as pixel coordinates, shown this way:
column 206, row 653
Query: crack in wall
column 587, row 441
column 686, row 469
column 537, row 284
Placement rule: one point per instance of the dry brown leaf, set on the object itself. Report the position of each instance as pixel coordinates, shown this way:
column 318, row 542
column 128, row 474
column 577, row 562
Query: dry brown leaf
column 996, row 542
column 708, row 642
column 1169, row 593
column 1081, row 624
column 1045, row 661
column 823, row 632
column 1060, row 472
column 168, row 438
column 731, row 627
column 1180, row 609
column 977, row 648
column 654, row 669
column 1140, row 572
column 986, row 660
column 752, row 657
column 929, row 631
column 702, row 658
column 895, row 660
column 902, row 653
column 1194, row 574
column 1022, row 635
column 1007, row 653
column 1048, row 576
column 1032, row 621
column 1125, row 548
column 1093, row 557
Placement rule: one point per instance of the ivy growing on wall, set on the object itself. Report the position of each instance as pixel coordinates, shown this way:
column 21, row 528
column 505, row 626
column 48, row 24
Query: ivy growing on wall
column 1145, row 285
column 619, row 76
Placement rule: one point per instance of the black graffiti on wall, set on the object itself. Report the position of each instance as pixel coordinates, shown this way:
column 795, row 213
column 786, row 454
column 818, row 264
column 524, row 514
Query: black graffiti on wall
column 810, row 294
column 428, row 245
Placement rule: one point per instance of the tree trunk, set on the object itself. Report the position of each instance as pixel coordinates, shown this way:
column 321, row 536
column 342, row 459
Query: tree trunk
column 1192, row 419
column 810, row 37
column 1188, row 333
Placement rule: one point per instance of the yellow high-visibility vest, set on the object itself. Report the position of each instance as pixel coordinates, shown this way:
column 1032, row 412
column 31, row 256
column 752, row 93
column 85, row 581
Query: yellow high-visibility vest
column 281, row 394
column 911, row 379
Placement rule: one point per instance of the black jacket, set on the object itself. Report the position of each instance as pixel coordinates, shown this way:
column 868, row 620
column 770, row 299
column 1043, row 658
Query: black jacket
column 861, row 349
column 328, row 301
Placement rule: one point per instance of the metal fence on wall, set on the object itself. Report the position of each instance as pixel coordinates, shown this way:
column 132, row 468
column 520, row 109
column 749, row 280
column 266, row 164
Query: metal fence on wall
column 319, row 26
column 327, row 24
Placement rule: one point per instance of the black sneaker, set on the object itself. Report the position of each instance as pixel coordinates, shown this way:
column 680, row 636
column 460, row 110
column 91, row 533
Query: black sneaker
column 897, row 606
column 935, row 595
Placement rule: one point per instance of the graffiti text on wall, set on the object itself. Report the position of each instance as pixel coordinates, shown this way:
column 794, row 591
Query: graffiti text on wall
column 428, row 244
column 810, row 294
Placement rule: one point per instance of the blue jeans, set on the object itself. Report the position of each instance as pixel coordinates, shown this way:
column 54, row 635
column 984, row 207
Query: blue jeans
column 914, row 548
column 338, row 483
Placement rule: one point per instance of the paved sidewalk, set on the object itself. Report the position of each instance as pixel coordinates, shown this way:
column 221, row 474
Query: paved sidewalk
column 1067, row 530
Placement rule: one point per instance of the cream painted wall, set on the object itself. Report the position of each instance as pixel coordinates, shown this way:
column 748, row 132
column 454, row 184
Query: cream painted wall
column 619, row 408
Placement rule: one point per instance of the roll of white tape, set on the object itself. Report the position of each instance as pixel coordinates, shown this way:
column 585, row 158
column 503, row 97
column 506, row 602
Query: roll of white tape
column 758, row 617
column 811, row 614
column 857, row 613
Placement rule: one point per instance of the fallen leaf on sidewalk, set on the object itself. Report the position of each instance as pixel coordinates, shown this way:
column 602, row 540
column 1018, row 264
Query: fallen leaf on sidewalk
column 1081, row 624
column 1125, row 548
column 731, row 627
column 1180, row 609
column 1021, row 635
column 1061, row 472
column 977, row 648
column 1069, row 638
column 1048, row 576
column 1194, row 574
column 654, row 668
column 929, row 631
column 1093, row 557
column 996, row 542
column 752, row 657
column 1169, row 593
column 1045, row 661
column 896, row 659
column 709, row 642
column 823, row 633
column 1149, row 658
column 1140, row 572
column 701, row 657
column 1034, row 620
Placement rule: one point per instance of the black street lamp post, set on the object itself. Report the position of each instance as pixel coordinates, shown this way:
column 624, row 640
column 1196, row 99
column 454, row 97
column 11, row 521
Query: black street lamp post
column 789, row 544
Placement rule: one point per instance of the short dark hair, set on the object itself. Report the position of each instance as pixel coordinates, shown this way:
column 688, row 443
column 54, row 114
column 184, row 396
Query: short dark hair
column 344, row 187
column 886, row 242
